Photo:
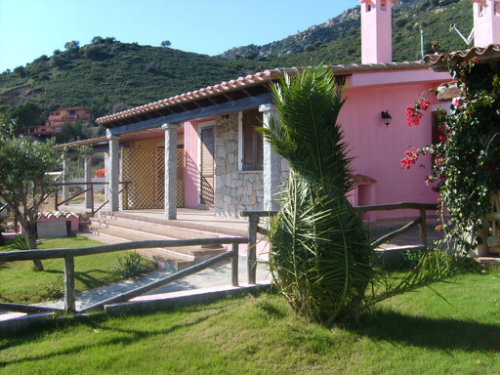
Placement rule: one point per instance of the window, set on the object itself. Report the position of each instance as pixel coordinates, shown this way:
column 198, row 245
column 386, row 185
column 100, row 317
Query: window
column 252, row 151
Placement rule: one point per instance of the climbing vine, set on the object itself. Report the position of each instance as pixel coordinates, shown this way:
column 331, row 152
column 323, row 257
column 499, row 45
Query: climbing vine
column 466, row 168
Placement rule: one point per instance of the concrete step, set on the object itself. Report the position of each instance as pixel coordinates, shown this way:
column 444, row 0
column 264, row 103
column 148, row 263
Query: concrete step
column 164, row 258
column 163, row 230
column 206, row 227
column 135, row 230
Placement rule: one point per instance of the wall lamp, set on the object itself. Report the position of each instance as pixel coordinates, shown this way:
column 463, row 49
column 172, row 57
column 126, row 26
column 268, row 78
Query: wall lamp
column 386, row 117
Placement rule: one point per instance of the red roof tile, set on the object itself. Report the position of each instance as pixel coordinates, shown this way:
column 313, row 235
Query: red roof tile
column 248, row 81
column 440, row 61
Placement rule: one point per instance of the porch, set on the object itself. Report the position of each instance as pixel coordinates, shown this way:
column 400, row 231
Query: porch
column 202, row 220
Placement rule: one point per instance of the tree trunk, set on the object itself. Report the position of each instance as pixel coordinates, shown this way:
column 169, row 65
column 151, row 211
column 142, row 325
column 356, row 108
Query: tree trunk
column 37, row 263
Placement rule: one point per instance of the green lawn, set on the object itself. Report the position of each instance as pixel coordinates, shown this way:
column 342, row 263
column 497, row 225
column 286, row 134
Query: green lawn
column 417, row 333
column 20, row 284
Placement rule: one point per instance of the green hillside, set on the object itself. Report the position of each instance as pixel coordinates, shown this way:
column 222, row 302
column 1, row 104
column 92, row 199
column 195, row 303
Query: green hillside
column 109, row 76
column 337, row 41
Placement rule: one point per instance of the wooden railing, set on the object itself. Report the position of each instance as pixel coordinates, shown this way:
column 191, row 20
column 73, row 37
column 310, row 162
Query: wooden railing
column 69, row 268
column 420, row 220
column 254, row 228
column 89, row 188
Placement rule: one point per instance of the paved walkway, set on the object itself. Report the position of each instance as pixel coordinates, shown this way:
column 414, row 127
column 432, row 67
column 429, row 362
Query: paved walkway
column 215, row 276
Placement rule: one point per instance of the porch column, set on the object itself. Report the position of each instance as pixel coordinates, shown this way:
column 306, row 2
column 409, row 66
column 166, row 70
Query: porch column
column 87, row 174
column 171, row 170
column 113, row 173
column 271, row 162
column 106, row 174
column 65, row 189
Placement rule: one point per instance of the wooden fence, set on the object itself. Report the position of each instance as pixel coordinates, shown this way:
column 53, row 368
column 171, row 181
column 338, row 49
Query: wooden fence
column 89, row 187
column 253, row 230
column 69, row 268
column 421, row 220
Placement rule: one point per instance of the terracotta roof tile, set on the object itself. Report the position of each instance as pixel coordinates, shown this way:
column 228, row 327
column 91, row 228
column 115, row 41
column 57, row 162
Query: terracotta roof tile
column 439, row 61
column 268, row 75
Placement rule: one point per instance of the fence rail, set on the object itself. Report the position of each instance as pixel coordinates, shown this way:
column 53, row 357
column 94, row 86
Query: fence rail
column 89, row 188
column 69, row 266
column 420, row 220
column 253, row 228
column 254, row 218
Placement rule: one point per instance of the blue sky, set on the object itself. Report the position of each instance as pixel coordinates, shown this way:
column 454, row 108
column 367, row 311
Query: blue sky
column 31, row 28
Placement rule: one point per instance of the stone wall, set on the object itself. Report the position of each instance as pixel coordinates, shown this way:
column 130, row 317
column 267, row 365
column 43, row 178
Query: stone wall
column 234, row 190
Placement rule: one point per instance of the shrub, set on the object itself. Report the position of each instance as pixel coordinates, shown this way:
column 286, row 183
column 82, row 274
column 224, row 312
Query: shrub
column 130, row 265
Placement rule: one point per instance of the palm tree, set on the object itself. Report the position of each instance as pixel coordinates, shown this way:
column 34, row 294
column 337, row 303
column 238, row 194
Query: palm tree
column 320, row 252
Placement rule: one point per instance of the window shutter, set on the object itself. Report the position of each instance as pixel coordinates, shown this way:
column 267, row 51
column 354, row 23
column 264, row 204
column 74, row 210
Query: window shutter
column 252, row 140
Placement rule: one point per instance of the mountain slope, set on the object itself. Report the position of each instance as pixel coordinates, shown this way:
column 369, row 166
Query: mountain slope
column 110, row 76
column 337, row 41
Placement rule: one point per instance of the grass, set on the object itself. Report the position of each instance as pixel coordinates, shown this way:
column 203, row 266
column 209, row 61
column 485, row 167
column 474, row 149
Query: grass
column 416, row 333
column 19, row 283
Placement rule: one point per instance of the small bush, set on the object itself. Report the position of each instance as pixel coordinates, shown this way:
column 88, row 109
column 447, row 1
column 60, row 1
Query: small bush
column 53, row 290
column 130, row 265
column 19, row 243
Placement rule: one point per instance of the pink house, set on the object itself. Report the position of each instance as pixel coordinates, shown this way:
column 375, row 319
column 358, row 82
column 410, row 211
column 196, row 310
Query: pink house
column 57, row 119
column 200, row 149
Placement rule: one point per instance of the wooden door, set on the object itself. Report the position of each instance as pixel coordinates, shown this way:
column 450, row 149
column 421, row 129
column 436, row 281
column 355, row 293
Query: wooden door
column 207, row 167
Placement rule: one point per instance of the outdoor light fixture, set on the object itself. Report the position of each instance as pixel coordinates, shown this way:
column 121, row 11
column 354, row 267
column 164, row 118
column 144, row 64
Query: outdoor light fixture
column 386, row 117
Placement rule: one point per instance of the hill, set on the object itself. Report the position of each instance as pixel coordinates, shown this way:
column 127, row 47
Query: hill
column 337, row 41
column 108, row 76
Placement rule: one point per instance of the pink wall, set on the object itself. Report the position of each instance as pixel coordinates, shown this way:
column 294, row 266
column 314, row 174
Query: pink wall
column 378, row 149
column 191, row 169
column 191, row 163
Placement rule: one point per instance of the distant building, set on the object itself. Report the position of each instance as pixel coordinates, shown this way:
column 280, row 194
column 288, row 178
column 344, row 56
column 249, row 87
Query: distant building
column 53, row 125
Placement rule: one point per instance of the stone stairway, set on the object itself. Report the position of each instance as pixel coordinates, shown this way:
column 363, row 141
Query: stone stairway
column 109, row 228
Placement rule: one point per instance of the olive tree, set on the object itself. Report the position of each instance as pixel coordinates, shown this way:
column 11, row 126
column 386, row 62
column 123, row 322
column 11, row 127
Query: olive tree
column 24, row 183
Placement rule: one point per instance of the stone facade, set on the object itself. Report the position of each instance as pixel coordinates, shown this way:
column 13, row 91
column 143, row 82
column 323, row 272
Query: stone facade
column 234, row 190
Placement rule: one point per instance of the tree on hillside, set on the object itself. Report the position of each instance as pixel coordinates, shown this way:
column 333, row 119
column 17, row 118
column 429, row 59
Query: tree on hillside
column 166, row 43
column 74, row 45
column 74, row 131
column 23, row 116
column 250, row 54
column 24, row 184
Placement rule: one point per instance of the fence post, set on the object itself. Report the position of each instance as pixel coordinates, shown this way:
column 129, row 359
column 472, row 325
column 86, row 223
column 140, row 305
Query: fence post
column 92, row 198
column 69, row 283
column 423, row 226
column 55, row 200
column 234, row 265
column 253, row 222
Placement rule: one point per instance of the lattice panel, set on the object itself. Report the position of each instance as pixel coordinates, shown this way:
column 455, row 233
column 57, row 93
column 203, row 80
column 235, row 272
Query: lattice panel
column 145, row 169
